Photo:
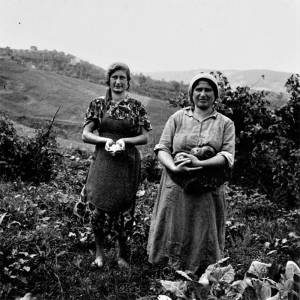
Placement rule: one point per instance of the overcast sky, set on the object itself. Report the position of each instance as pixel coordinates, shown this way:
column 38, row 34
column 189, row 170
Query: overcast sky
column 160, row 35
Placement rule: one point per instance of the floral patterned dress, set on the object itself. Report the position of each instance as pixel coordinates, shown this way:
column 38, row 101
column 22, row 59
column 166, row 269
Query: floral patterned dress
column 113, row 181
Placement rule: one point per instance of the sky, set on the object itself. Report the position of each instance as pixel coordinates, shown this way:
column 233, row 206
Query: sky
column 160, row 35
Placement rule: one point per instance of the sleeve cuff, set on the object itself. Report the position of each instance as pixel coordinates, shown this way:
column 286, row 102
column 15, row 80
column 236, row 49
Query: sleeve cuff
column 161, row 147
column 229, row 157
column 89, row 120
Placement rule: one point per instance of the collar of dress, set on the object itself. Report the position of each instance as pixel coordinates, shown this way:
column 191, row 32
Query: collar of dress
column 189, row 112
column 126, row 99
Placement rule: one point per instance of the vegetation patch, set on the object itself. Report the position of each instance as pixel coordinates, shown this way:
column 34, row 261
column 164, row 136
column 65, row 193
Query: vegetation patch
column 47, row 251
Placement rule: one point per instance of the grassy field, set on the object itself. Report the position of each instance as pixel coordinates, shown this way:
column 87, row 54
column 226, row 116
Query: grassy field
column 47, row 251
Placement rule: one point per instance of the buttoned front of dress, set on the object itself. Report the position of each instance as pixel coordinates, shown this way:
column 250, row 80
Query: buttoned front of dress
column 190, row 231
column 183, row 132
column 193, row 133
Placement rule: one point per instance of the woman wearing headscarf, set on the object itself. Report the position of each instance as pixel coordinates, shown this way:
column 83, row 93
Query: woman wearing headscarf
column 121, row 123
column 188, row 223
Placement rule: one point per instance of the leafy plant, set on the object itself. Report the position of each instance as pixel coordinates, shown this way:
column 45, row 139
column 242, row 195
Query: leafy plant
column 217, row 283
column 151, row 169
column 32, row 158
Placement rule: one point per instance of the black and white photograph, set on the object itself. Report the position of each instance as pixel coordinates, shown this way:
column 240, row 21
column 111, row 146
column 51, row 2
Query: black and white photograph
column 150, row 149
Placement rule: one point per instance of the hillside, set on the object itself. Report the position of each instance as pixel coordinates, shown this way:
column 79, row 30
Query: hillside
column 30, row 96
column 68, row 65
column 72, row 66
column 272, row 80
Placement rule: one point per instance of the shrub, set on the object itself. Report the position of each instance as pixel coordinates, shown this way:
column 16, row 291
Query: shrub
column 8, row 143
column 30, row 159
column 151, row 169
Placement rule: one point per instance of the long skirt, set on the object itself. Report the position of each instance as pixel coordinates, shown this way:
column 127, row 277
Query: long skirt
column 187, row 231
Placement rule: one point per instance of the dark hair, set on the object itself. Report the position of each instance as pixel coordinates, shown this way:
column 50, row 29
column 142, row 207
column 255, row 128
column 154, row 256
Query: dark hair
column 117, row 67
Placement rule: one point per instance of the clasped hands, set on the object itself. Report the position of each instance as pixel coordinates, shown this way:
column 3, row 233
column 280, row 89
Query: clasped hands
column 185, row 162
column 114, row 147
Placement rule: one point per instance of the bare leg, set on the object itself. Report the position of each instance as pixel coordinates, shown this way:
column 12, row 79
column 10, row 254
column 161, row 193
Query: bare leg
column 123, row 252
column 99, row 238
column 124, row 230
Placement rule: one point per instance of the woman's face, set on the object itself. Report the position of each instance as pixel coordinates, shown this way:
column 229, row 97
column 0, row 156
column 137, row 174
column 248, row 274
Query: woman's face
column 118, row 82
column 203, row 95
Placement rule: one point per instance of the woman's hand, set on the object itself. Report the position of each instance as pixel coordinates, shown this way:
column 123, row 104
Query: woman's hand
column 167, row 160
column 108, row 144
column 182, row 166
column 121, row 144
column 194, row 161
column 178, row 158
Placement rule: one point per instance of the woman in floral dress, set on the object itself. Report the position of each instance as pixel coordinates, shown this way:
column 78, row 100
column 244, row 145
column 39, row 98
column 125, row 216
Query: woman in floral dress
column 112, row 183
column 188, row 230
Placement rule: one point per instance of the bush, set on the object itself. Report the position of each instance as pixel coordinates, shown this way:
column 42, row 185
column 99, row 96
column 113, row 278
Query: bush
column 150, row 169
column 8, row 142
column 30, row 159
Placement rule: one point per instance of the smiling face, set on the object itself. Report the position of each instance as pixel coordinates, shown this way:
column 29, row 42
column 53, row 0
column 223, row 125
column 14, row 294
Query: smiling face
column 203, row 95
column 118, row 82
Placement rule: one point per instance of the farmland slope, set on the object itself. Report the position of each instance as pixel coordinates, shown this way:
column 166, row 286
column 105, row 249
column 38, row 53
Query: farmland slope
column 29, row 96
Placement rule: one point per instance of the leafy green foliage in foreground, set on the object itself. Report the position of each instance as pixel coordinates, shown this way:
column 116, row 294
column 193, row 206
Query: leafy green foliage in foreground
column 47, row 251
column 217, row 283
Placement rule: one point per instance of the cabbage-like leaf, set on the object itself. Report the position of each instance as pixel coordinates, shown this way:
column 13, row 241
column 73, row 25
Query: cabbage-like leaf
column 262, row 289
column 276, row 297
column 291, row 269
column 228, row 274
column 222, row 274
column 236, row 289
column 203, row 280
column 163, row 297
column 27, row 296
column 178, row 288
column 214, row 273
column 2, row 217
column 219, row 262
column 259, row 269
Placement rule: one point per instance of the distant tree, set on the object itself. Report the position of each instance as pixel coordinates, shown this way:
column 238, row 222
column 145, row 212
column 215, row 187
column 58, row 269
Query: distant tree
column 33, row 48
column 142, row 79
column 9, row 51
column 176, row 86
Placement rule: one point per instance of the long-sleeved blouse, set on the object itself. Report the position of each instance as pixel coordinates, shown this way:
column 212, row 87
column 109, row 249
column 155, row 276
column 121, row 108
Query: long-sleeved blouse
column 190, row 231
